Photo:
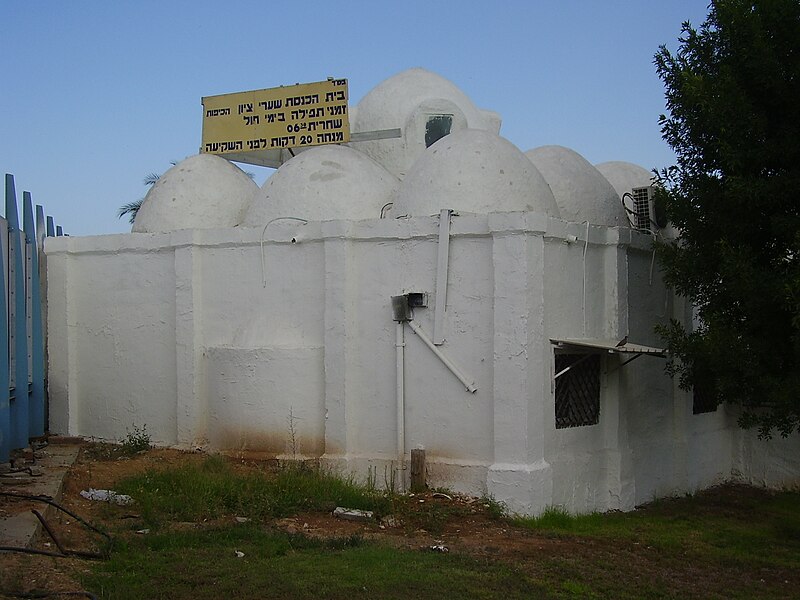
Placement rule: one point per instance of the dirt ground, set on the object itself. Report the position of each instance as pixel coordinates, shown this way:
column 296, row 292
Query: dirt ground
column 472, row 532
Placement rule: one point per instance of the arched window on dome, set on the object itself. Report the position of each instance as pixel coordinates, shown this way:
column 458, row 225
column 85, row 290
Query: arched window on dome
column 436, row 127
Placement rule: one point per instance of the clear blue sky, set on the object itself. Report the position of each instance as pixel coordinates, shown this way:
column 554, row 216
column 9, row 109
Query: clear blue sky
column 97, row 94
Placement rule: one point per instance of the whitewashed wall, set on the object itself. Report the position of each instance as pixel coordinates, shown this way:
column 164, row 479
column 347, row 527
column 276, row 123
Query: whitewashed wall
column 178, row 332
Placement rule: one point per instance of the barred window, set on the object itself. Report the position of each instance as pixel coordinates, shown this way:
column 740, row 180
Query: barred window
column 703, row 401
column 577, row 390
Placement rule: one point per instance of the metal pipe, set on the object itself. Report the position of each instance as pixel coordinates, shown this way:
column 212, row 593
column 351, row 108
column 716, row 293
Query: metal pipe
column 468, row 383
column 401, row 400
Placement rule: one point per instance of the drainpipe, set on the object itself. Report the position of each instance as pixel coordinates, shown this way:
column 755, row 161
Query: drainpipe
column 401, row 395
column 401, row 313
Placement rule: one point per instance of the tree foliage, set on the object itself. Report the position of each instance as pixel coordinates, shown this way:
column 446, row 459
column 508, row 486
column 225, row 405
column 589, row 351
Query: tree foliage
column 733, row 103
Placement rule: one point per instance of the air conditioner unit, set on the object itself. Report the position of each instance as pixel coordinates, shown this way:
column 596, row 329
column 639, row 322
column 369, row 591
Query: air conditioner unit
column 647, row 213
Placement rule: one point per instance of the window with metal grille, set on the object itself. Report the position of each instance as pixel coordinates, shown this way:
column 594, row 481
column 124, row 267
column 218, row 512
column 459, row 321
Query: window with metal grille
column 577, row 390
column 436, row 128
column 703, row 401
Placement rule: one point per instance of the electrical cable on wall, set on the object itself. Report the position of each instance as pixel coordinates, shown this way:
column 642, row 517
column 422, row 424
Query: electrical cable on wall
column 261, row 242
column 654, row 230
column 585, row 247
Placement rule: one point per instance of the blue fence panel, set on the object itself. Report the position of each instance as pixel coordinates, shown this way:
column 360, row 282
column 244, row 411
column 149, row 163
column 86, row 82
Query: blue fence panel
column 5, row 398
column 33, row 297
column 23, row 394
column 17, row 330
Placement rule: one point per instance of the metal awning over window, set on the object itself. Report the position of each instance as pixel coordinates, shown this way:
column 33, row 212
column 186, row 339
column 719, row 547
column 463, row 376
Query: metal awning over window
column 590, row 346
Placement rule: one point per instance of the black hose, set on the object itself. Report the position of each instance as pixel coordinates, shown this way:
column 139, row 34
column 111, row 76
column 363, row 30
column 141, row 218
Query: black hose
column 51, row 502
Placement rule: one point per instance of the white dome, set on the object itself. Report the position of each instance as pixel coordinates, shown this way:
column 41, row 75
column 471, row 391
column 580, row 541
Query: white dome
column 322, row 184
column 624, row 176
column 201, row 192
column 474, row 171
column 407, row 101
column 581, row 192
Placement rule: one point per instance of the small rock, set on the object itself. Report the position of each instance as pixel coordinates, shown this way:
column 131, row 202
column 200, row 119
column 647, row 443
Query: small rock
column 143, row 531
column 239, row 554
column 353, row 514
column 241, row 519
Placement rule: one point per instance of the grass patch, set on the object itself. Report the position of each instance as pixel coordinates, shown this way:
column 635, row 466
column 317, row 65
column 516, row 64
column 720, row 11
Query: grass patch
column 213, row 489
column 203, row 565
column 738, row 527
column 726, row 543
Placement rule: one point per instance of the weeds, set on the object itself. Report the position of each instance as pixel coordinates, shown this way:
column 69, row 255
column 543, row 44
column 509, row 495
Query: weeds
column 390, row 479
column 136, row 440
column 293, row 440
column 372, row 477
column 494, row 508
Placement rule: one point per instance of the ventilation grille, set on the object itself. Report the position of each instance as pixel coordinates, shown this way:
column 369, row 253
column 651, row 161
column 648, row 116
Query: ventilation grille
column 641, row 207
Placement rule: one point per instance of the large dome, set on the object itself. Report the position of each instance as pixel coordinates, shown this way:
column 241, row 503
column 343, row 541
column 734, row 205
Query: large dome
column 581, row 192
column 321, row 184
column 201, row 192
column 417, row 102
column 624, row 176
column 474, row 171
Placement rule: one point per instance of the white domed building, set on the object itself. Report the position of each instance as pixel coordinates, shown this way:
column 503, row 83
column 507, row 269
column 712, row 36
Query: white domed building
column 501, row 317
column 323, row 184
column 624, row 176
column 201, row 192
column 473, row 171
column 425, row 106
column 580, row 191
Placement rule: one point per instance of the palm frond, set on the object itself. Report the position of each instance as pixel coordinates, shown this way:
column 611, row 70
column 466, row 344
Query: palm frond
column 131, row 209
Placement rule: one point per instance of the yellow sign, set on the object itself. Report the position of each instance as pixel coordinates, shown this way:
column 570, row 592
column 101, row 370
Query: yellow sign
column 308, row 114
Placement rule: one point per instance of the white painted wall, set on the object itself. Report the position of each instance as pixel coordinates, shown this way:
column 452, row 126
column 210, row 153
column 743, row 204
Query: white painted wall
column 177, row 331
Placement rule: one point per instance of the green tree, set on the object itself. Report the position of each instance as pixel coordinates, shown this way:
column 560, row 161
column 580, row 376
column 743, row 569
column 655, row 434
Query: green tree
column 733, row 103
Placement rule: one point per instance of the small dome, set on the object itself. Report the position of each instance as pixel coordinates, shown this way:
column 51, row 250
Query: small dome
column 474, row 171
column 201, row 192
column 581, row 192
column 624, row 176
column 322, row 184
column 424, row 106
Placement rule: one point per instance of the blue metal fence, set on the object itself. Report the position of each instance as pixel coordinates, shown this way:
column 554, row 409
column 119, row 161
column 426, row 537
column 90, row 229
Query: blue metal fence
column 22, row 345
